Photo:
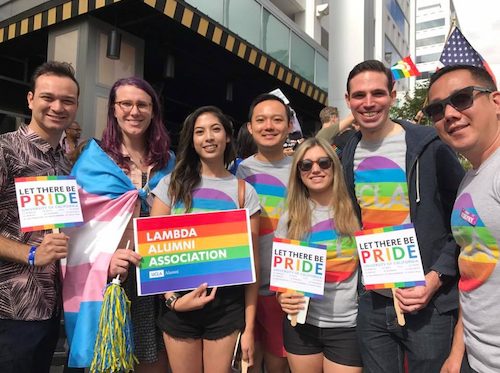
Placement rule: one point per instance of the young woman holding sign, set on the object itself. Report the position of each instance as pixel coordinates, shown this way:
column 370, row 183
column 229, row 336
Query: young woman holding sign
column 321, row 212
column 201, row 326
column 135, row 138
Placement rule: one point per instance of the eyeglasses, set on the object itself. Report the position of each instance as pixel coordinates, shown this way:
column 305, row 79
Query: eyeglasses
column 459, row 100
column 75, row 129
column 127, row 106
column 306, row 165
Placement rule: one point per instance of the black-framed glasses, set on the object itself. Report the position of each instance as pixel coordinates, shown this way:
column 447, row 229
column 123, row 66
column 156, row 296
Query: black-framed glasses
column 127, row 106
column 306, row 165
column 75, row 129
column 460, row 100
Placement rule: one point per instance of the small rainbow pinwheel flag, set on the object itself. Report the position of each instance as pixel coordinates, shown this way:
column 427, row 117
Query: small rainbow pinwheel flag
column 404, row 69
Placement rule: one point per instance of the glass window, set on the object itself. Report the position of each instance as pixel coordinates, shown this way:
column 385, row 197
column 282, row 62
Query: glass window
column 438, row 6
column 213, row 8
column 276, row 37
column 398, row 16
column 429, row 41
column 244, row 19
column 430, row 24
column 302, row 58
column 425, row 75
column 321, row 72
column 391, row 55
column 428, row 57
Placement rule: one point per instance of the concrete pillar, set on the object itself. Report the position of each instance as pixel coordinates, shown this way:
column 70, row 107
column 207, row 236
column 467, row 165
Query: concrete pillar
column 346, row 47
column 82, row 43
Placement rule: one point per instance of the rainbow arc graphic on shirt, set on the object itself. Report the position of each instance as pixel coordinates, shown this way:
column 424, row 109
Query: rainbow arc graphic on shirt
column 272, row 194
column 479, row 249
column 341, row 257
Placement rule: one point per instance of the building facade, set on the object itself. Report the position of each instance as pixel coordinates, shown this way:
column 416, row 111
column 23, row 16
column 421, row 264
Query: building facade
column 194, row 53
column 370, row 29
column 434, row 18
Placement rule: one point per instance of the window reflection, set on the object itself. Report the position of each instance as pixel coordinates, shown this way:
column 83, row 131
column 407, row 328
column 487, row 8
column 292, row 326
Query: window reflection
column 276, row 37
column 302, row 58
column 398, row 16
column 244, row 19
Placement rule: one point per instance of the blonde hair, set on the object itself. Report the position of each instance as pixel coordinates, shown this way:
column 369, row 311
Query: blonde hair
column 299, row 210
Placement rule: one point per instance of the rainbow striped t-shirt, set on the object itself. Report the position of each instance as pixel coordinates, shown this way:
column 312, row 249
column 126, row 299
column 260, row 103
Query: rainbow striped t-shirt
column 270, row 180
column 380, row 182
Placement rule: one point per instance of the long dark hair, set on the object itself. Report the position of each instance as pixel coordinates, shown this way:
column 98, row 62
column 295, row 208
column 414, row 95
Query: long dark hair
column 157, row 139
column 187, row 170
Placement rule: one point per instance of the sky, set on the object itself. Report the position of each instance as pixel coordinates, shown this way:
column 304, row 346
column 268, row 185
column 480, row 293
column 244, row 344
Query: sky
column 480, row 23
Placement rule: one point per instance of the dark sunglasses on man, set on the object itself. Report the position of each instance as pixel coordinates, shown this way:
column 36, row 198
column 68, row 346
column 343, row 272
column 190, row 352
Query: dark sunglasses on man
column 460, row 100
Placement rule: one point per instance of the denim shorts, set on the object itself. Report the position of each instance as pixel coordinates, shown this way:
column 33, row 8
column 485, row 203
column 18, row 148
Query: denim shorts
column 218, row 319
column 339, row 345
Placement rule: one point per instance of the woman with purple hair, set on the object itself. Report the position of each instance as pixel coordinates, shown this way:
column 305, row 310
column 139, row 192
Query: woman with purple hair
column 135, row 138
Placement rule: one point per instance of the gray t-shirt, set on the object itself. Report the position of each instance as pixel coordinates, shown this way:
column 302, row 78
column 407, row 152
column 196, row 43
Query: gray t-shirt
column 476, row 228
column 211, row 194
column 380, row 183
column 339, row 307
column 270, row 180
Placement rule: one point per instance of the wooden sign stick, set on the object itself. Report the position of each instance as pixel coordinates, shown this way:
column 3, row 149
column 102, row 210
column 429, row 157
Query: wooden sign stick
column 399, row 314
column 300, row 317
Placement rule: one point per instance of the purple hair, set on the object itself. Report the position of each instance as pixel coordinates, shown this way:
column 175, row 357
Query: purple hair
column 157, row 138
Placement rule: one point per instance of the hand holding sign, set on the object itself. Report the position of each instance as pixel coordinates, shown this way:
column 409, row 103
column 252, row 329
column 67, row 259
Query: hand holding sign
column 414, row 299
column 195, row 300
column 120, row 262
column 53, row 247
column 291, row 303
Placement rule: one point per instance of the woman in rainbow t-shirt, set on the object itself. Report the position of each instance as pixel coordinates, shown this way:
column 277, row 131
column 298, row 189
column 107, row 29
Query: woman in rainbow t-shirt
column 320, row 211
column 200, row 327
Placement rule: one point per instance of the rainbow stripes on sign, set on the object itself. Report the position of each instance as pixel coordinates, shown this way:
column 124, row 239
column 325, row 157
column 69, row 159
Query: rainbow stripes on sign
column 384, row 229
column 404, row 69
column 298, row 243
column 219, row 252
column 44, row 178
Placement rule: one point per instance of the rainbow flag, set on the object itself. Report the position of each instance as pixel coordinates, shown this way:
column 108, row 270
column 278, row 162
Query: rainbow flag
column 404, row 69
column 181, row 252
column 108, row 199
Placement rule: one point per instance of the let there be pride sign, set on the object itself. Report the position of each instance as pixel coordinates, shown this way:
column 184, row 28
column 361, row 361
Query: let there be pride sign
column 48, row 202
column 390, row 257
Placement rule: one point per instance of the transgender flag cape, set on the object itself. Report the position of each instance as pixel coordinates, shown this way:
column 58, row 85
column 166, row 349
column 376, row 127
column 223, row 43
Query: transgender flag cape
column 108, row 199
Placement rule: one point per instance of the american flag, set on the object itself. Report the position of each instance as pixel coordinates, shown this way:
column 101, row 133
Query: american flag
column 458, row 51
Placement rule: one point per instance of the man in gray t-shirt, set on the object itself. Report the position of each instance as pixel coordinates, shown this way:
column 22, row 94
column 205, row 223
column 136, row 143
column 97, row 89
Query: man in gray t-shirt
column 464, row 105
column 268, row 172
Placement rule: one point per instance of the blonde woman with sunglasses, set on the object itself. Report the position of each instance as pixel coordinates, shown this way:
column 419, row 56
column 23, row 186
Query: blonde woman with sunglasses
column 320, row 211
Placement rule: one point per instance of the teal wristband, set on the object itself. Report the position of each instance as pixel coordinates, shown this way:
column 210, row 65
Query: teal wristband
column 31, row 256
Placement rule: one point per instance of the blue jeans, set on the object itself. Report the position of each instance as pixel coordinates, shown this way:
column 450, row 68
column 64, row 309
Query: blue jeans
column 425, row 339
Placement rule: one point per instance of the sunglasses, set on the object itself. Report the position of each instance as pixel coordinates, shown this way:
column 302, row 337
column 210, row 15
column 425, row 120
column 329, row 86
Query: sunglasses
column 306, row 165
column 459, row 100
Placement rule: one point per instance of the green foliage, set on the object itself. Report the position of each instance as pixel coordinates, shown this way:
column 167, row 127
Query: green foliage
column 412, row 105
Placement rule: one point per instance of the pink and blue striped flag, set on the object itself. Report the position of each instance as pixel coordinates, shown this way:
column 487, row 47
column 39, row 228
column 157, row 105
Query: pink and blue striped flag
column 108, row 198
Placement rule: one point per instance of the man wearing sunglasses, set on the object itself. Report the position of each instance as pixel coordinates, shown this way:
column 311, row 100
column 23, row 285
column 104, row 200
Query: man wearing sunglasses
column 399, row 173
column 464, row 105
